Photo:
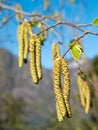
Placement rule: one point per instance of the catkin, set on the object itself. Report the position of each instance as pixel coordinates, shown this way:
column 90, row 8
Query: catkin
column 55, row 51
column 38, row 56
column 19, row 16
column 66, row 85
column 21, row 44
column 32, row 59
column 60, row 106
column 27, row 32
column 43, row 27
column 81, row 90
column 29, row 28
column 84, row 90
column 26, row 42
column 57, row 87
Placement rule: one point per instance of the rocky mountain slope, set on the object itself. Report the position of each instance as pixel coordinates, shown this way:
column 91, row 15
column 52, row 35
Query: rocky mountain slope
column 39, row 99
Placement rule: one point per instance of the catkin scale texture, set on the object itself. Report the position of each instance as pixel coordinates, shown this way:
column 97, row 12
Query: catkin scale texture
column 32, row 60
column 57, row 87
column 38, row 57
column 66, row 85
column 21, row 44
column 87, row 97
column 59, row 113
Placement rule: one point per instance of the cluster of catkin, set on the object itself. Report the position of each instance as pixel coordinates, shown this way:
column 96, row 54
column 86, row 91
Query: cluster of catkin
column 84, row 90
column 61, row 79
column 30, row 43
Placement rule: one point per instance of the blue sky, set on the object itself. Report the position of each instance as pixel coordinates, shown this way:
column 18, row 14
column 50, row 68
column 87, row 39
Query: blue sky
column 81, row 11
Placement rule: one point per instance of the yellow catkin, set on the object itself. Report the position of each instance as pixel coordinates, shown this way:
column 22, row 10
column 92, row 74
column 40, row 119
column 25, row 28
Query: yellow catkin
column 26, row 42
column 81, row 90
column 56, row 56
column 21, row 44
column 38, row 56
column 19, row 16
column 87, row 97
column 32, row 59
column 27, row 31
column 66, row 85
column 57, row 88
column 85, row 91
column 43, row 27
column 29, row 28
column 55, row 51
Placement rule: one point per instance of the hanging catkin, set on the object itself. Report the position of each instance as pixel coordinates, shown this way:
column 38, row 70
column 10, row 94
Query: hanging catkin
column 19, row 16
column 43, row 27
column 27, row 32
column 81, row 91
column 57, row 88
column 38, row 56
column 60, row 105
column 66, row 85
column 84, row 90
column 26, row 41
column 55, row 51
column 33, row 69
column 21, row 44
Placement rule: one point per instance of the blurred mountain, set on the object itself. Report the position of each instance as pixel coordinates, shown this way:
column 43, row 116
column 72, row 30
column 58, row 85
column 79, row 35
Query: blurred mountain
column 39, row 99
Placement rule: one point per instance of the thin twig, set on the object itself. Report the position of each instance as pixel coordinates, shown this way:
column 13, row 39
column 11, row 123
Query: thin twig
column 25, row 13
column 85, row 25
column 85, row 33
column 7, row 20
column 71, row 25
column 56, row 33
column 49, row 17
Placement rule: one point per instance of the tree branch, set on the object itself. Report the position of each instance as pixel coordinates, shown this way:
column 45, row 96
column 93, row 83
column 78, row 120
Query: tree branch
column 77, row 26
column 25, row 13
column 42, row 17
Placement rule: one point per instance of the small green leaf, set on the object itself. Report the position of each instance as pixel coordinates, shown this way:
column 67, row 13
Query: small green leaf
column 76, row 50
column 79, row 48
column 75, row 53
column 95, row 22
